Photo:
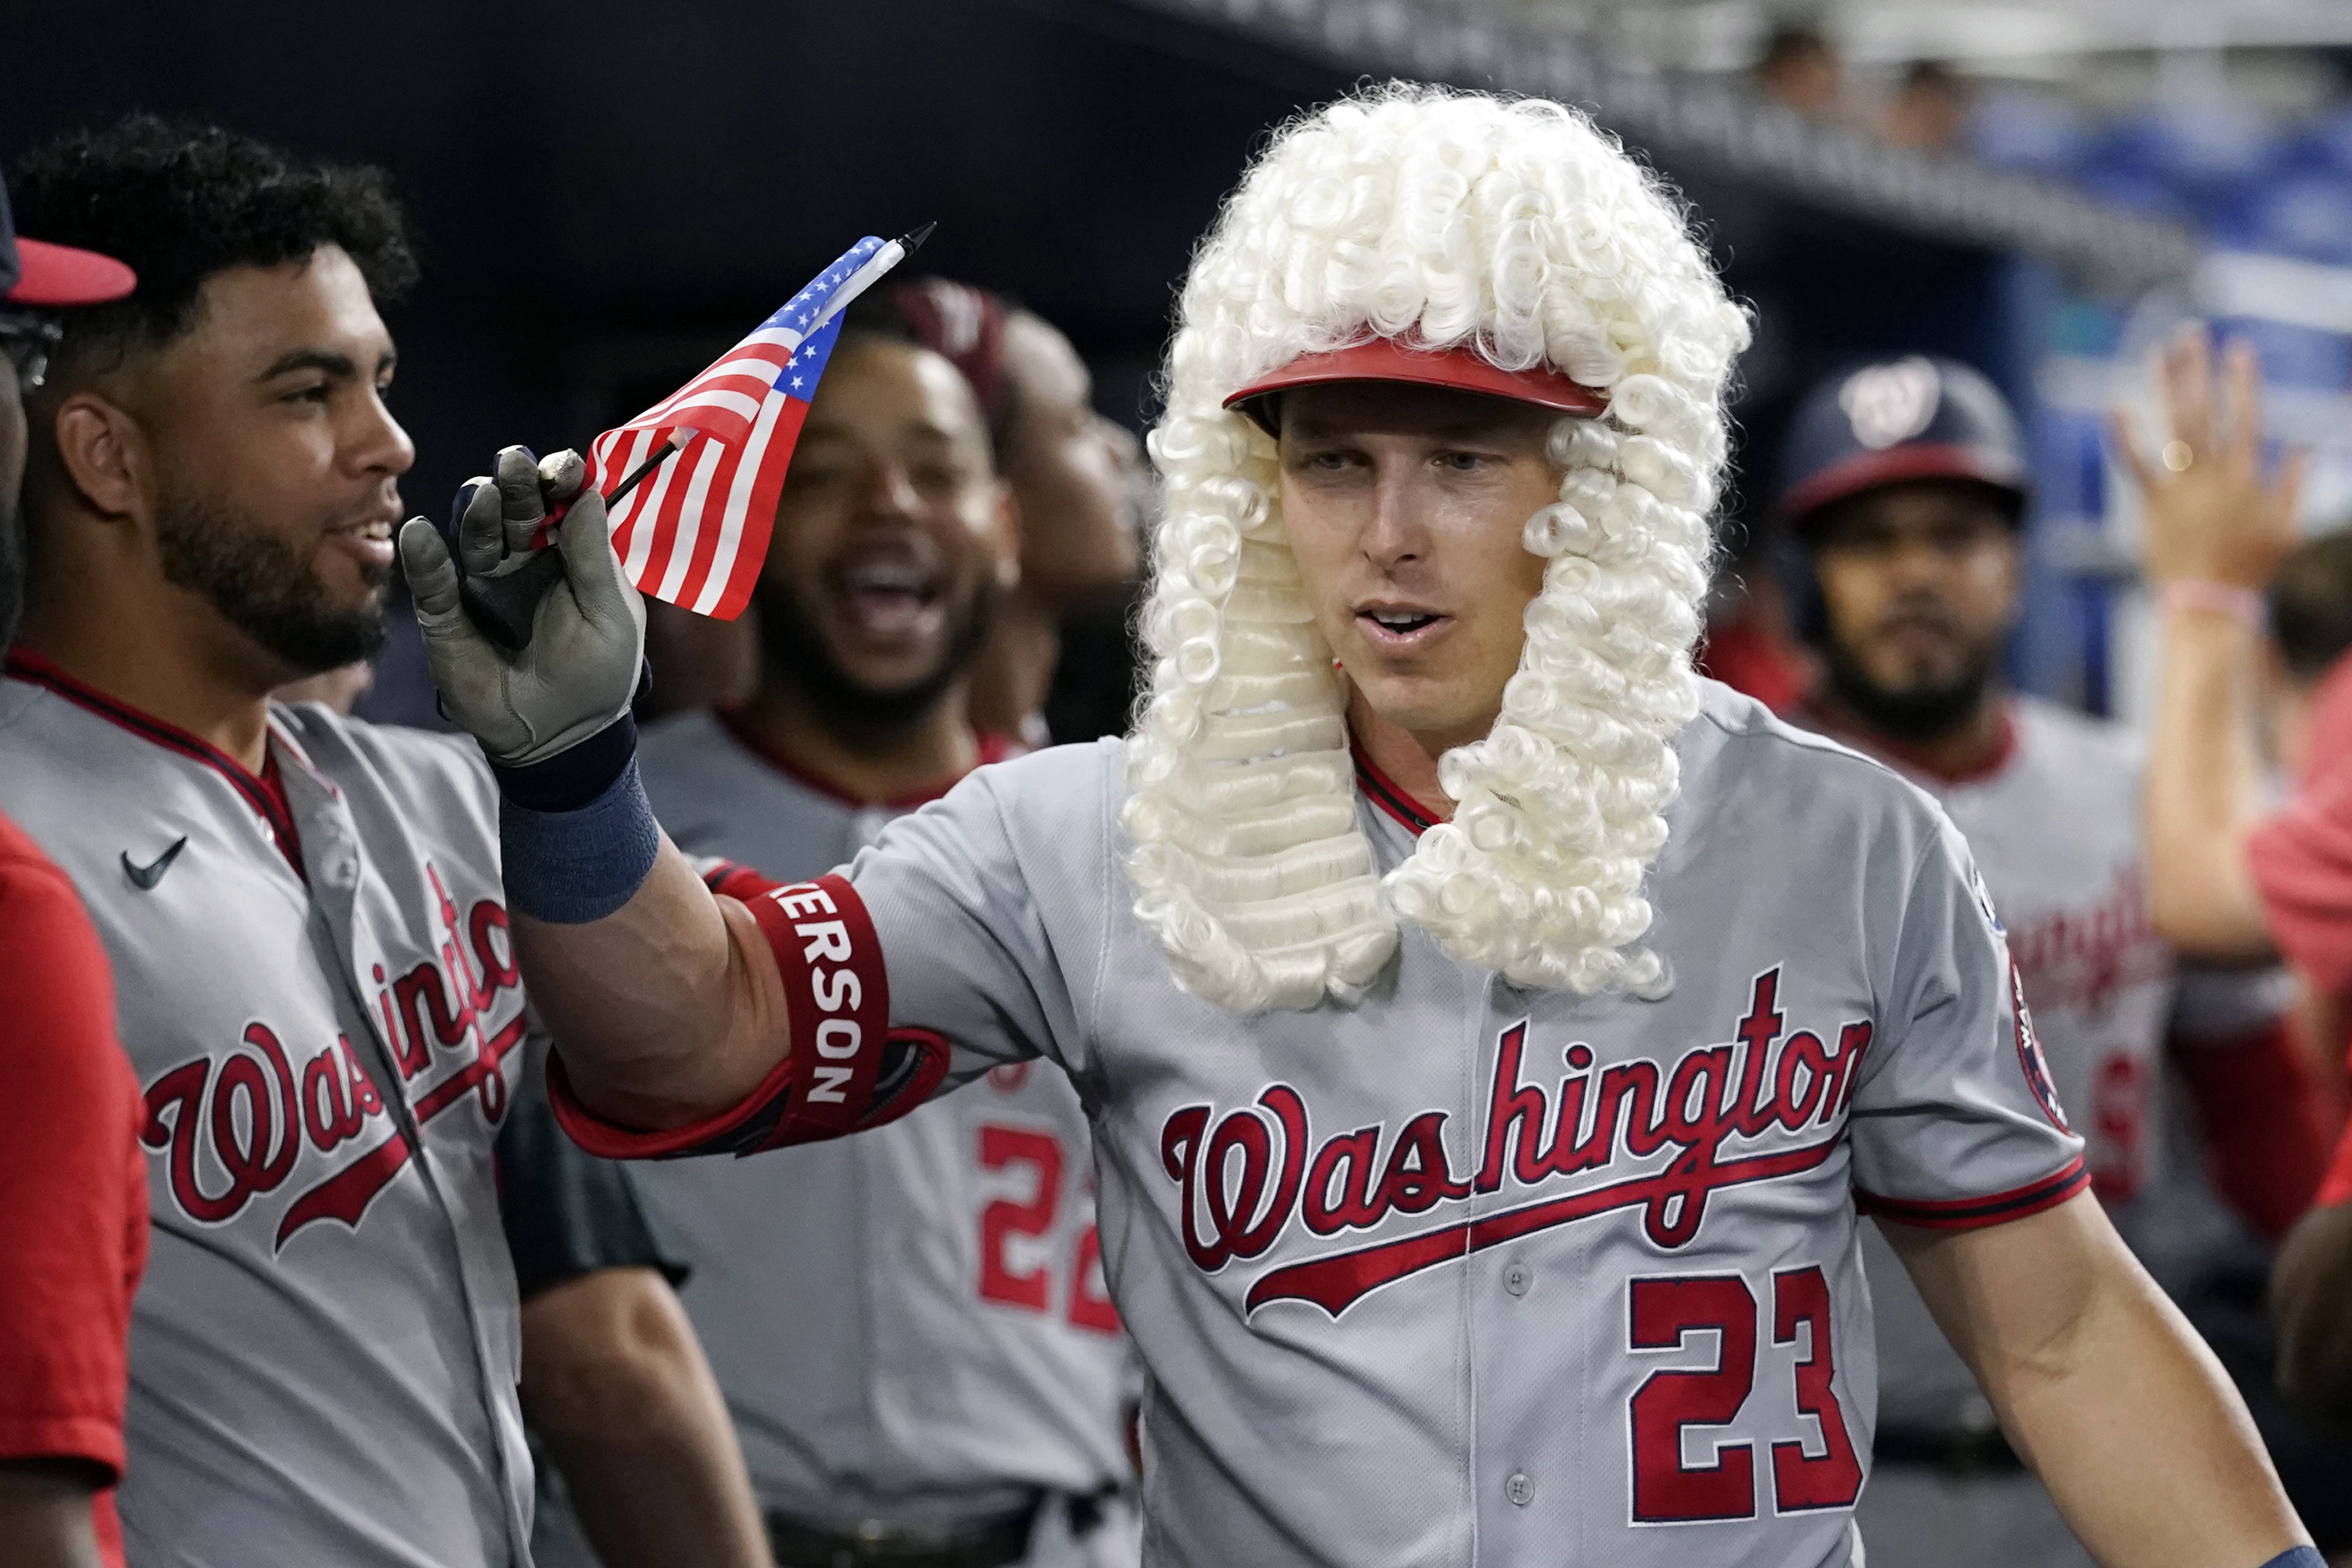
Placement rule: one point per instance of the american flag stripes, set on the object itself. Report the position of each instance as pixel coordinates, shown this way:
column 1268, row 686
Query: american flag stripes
column 696, row 530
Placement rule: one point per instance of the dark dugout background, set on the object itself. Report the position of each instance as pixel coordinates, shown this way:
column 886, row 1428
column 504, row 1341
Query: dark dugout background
column 609, row 194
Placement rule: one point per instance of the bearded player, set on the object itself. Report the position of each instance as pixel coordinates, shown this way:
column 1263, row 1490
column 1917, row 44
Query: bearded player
column 954, row 1381
column 1906, row 483
column 1488, row 1041
column 302, row 912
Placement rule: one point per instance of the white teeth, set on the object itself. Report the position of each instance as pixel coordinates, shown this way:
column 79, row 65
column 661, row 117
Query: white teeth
column 1400, row 621
column 884, row 578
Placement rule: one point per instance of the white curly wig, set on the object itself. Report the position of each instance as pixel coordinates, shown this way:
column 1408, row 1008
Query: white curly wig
column 1518, row 230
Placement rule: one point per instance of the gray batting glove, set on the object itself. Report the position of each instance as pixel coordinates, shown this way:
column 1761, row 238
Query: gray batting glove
column 579, row 671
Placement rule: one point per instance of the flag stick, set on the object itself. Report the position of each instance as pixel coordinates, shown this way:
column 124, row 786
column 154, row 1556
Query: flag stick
column 643, row 470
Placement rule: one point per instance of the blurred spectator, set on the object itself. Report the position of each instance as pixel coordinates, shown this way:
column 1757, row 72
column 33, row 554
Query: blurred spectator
column 73, row 1229
column 1005, row 1441
column 1800, row 71
column 1906, row 482
column 1077, row 481
column 1930, row 111
column 2224, row 876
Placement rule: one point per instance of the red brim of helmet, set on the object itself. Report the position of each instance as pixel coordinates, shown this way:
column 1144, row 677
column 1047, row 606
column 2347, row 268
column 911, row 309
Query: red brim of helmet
column 1894, row 465
column 54, row 276
column 1459, row 369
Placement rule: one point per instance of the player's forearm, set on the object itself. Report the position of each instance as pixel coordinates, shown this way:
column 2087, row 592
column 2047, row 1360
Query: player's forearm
column 2309, row 1292
column 616, row 1385
column 2204, row 791
column 2112, row 1399
column 2144, row 1444
column 661, row 1009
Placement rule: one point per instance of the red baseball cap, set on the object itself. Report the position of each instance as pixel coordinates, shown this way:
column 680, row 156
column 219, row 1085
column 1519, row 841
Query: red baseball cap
column 50, row 275
column 1461, row 368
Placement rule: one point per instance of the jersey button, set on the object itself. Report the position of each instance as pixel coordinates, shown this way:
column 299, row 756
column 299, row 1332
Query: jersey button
column 1516, row 1278
column 1519, row 1489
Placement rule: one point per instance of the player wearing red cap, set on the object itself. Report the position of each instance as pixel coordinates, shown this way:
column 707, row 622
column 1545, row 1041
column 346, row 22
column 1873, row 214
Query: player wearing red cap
column 73, row 1232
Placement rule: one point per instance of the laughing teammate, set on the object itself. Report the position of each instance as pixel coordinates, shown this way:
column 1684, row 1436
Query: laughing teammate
column 954, row 1380
column 1906, row 482
column 1486, row 1043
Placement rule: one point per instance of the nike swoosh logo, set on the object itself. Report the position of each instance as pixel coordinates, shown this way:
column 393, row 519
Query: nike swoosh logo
column 146, row 876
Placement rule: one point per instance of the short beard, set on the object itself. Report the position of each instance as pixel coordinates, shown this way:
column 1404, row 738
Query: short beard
column 1912, row 714
column 266, row 589
column 791, row 651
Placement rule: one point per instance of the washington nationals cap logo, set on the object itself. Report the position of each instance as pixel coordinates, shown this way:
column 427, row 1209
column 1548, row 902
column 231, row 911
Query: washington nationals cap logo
column 1891, row 403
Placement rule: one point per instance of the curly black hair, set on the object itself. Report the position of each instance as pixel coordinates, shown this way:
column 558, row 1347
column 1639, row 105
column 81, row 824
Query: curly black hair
column 179, row 201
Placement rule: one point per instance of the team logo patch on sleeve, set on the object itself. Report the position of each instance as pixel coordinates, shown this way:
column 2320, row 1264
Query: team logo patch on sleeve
column 1984, row 902
column 2029, row 1057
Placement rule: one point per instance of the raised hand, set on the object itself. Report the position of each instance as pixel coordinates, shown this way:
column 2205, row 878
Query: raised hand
column 2210, row 512
column 577, row 668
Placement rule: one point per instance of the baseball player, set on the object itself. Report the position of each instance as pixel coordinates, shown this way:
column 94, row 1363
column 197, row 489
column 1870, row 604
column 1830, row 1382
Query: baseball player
column 634, row 1460
column 1074, row 474
column 73, row 1234
column 953, row 1358
column 1488, row 1041
column 1906, row 483
column 314, row 976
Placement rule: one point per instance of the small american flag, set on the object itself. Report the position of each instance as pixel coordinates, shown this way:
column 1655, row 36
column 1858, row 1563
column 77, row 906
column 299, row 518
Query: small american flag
column 696, row 531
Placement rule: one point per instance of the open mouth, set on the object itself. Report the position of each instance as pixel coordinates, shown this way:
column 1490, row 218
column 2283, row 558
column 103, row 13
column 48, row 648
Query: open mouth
column 1396, row 624
column 369, row 540
column 887, row 599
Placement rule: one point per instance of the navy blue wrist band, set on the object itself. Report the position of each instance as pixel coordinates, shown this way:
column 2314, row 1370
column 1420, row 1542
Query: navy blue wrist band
column 2297, row 1557
column 577, row 865
column 574, row 775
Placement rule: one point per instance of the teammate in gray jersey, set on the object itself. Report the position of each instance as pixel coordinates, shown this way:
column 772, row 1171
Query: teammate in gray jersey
column 314, row 977
column 952, row 1358
column 1487, row 1042
column 1906, row 482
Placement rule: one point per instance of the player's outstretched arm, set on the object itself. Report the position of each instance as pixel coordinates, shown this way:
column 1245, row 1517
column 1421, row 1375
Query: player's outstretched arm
column 2104, row 1390
column 2214, row 528
column 666, row 997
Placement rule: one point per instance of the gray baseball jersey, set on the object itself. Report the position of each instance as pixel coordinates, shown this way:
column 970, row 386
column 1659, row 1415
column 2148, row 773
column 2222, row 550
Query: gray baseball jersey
column 1466, row 1272
column 950, row 1346
column 322, row 1006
